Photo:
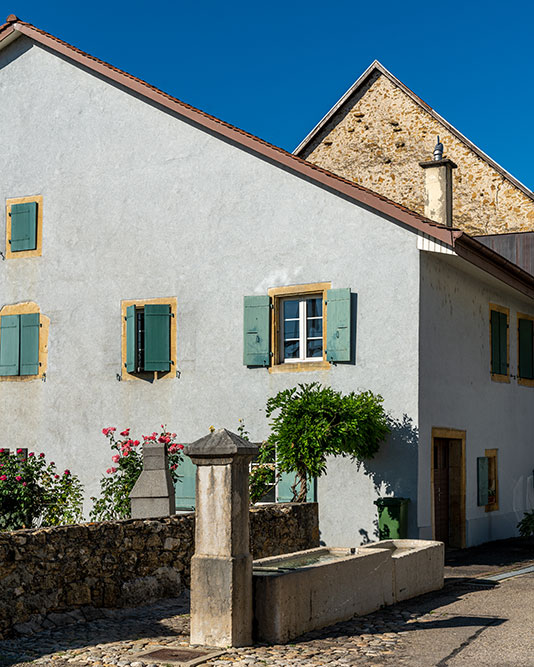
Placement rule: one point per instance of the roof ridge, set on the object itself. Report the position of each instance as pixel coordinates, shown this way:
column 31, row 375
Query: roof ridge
column 376, row 65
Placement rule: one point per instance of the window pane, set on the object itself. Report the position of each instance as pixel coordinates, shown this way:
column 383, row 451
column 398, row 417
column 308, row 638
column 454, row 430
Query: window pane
column 314, row 307
column 315, row 328
column 315, row 348
column 291, row 329
column 291, row 349
column 291, row 309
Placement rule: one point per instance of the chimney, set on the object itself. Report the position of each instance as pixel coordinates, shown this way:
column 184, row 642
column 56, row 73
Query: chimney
column 438, row 187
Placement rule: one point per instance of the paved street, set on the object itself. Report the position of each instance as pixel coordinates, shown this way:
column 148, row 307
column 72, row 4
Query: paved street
column 473, row 621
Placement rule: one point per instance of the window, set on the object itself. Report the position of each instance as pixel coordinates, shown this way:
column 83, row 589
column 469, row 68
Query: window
column 301, row 328
column 499, row 343
column 488, row 482
column 24, row 227
column 525, row 346
column 23, row 342
column 298, row 328
column 148, row 338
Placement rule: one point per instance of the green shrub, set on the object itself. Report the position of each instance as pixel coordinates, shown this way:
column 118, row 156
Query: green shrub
column 526, row 525
column 314, row 422
column 32, row 492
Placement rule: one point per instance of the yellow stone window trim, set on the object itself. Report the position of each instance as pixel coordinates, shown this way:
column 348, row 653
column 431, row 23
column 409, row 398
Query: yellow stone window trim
column 25, row 309
column 139, row 303
column 523, row 381
column 277, row 294
column 38, row 199
column 500, row 377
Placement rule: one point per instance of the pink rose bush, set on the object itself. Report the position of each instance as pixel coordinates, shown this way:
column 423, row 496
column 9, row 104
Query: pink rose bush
column 119, row 480
column 32, row 493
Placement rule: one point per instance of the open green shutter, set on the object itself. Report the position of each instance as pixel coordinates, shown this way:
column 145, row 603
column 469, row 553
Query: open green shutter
column 526, row 361
column 284, row 494
column 256, row 329
column 29, row 344
column 186, row 485
column 130, row 339
column 157, row 337
column 9, row 344
column 503, row 340
column 482, row 480
column 23, row 226
column 338, row 324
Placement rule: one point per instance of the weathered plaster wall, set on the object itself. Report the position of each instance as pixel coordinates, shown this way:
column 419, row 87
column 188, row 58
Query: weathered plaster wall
column 456, row 392
column 378, row 139
column 139, row 204
column 47, row 573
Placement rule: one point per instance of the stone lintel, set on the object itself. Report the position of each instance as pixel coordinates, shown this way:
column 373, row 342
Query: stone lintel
column 220, row 448
column 438, row 163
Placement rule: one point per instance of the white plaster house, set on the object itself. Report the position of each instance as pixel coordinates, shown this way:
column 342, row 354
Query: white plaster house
column 126, row 208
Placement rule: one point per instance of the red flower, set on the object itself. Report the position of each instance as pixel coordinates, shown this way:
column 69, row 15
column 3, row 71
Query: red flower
column 24, row 484
column 125, row 432
column 2, row 450
column 3, row 478
column 56, row 476
column 67, row 472
column 180, row 446
column 18, row 478
column 19, row 451
column 135, row 443
column 41, row 455
column 164, row 439
column 174, row 466
column 31, row 454
column 108, row 430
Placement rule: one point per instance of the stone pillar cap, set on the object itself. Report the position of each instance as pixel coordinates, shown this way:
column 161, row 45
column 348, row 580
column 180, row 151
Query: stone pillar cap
column 438, row 163
column 220, row 444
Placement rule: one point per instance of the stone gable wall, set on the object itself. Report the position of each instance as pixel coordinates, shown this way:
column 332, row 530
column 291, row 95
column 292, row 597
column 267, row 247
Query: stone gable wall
column 378, row 139
column 47, row 573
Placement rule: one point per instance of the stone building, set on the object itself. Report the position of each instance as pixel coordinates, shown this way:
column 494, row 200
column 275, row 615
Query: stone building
column 378, row 133
column 164, row 267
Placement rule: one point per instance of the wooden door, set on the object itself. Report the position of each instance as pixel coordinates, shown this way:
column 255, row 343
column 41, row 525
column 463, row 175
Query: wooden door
column 441, row 490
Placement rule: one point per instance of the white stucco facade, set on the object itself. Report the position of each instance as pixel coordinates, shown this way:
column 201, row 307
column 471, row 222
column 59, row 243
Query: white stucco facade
column 140, row 204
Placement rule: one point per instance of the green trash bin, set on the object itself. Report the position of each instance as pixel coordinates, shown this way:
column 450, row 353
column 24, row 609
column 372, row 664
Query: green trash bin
column 392, row 518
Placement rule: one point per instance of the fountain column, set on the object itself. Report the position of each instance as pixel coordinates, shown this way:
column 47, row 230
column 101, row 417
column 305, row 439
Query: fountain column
column 221, row 568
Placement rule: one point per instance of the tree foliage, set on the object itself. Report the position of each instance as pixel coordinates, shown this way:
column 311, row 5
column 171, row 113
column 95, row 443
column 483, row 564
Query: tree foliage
column 313, row 422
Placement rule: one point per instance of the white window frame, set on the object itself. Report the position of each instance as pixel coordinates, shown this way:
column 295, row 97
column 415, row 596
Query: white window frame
column 302, row 319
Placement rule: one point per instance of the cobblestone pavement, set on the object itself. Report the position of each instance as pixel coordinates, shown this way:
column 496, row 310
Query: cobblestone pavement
column 433, row 624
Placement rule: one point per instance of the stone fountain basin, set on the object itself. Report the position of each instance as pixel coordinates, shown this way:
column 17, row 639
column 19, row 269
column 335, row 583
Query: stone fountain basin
column 312, row 589
column 417, row 566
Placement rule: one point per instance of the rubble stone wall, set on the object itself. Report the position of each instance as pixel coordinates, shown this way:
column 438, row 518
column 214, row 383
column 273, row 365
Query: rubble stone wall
column 51, row 576
column 377, row 139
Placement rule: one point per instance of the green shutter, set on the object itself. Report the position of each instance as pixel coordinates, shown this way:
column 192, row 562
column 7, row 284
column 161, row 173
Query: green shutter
column 338, row 324
column 284, row 494
column 482, row 480
column 23, row 226
column 29, row 344
column 157, row 337
column 130, row 339
column 256, row 329
column 503, row 339
column 526, row 361
column 499, row 338
column 9, row 344
column 186, row 485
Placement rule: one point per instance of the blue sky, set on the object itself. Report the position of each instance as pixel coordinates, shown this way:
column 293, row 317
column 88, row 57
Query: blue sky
column 275, row 68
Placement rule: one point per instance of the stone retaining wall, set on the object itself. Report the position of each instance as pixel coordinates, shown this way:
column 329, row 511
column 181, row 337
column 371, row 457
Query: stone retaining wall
column 48, row 573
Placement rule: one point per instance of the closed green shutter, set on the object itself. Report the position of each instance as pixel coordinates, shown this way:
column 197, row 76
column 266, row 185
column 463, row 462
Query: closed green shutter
column 503, row 340
column 499, row 339
column 284, row 494
column 186, row 485
column 526, row 361
column 130, row 339
column 9, row 344
column 256, row 329
column 157, row 337
column 338, row 331
column 29, row 344
column 482, row 480
column 23, row 226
